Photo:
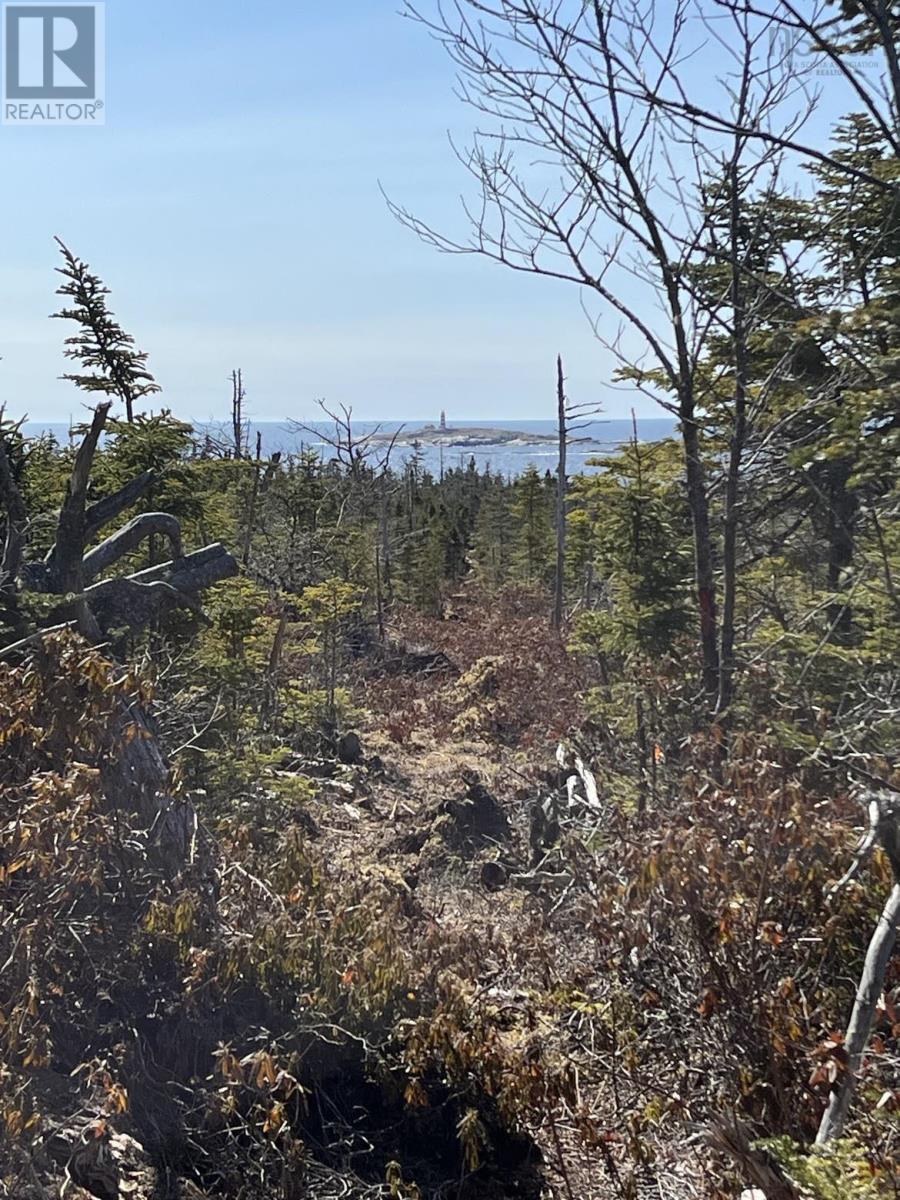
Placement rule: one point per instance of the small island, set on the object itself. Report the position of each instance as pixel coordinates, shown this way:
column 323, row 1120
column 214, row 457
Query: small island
column 464, row 436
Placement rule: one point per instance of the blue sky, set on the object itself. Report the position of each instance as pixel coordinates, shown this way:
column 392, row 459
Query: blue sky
column 232, row 205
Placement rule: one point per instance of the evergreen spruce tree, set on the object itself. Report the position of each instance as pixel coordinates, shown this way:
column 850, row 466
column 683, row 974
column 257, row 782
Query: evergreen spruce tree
column 493, row 538
column 112, row 364
column 532, row 510
column 642, row 546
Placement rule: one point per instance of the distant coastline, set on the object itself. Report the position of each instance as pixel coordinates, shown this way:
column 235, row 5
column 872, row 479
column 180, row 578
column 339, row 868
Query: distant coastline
column 506, row 448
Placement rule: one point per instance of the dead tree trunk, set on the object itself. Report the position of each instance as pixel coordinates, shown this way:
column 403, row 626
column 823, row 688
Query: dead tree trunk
column 237, row 412
column 884, row 827
column 738, row 439
column 732, row 1139
column 254, row 501
column 871, row 985
column 139, row 778
column 698, row 503
column 842, row 512
column 14, row 543
column 69, row 569
column 562, row 488
column 63, row 572
column 385, row 533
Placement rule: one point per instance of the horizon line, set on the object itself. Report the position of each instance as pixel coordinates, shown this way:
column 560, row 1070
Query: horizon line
column 600, row 420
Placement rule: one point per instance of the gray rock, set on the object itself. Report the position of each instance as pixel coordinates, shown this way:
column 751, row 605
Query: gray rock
column 350, row 750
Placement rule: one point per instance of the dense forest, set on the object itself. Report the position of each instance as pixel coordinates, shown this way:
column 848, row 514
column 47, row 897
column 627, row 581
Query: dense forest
column 370, row 832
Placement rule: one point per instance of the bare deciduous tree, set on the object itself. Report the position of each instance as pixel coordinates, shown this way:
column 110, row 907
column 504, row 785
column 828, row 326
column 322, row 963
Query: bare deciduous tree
column 586, row 176
column 365, row 458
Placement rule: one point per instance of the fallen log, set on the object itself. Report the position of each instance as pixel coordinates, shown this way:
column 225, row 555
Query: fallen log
column 128, row 538
column 133, row 602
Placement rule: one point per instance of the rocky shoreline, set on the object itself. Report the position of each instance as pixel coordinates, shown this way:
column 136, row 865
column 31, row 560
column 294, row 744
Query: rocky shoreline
column 464, row 437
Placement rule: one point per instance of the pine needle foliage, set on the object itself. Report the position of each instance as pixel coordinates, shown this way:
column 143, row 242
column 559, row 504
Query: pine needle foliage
column 112, row 365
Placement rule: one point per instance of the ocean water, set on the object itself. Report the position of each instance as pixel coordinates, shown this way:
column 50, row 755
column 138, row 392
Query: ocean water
column 594, row 440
